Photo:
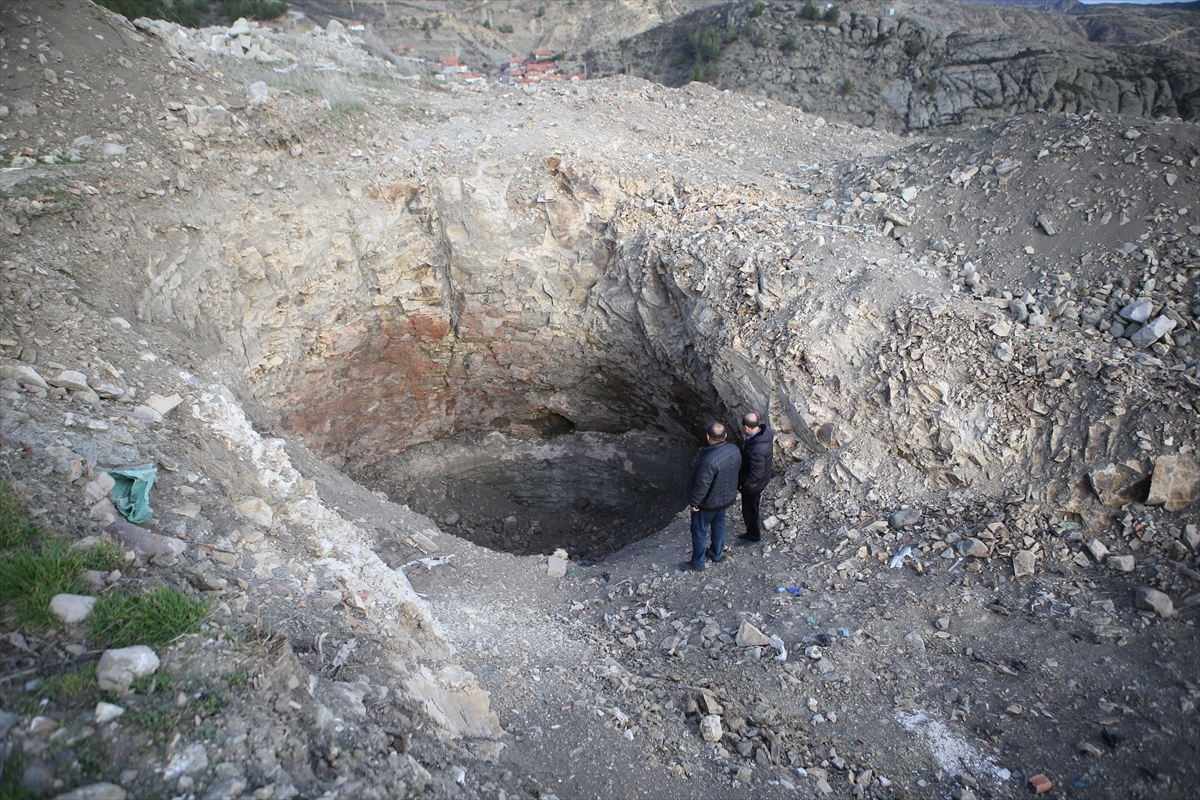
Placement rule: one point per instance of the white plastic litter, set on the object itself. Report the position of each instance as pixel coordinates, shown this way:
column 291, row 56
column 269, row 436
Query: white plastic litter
column 777, row 643
column 898, row 559
column 430, row 562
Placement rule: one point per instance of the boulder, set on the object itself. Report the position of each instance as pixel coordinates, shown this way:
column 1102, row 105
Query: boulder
column 904, row 518
column 138, row 539
column 1152, row 331
column 1117, row 484
column 1024, row 563
column 1174, row 484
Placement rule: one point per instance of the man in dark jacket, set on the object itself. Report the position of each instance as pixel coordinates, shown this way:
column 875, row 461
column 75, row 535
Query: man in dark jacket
column 712, row 488
column 756, row 472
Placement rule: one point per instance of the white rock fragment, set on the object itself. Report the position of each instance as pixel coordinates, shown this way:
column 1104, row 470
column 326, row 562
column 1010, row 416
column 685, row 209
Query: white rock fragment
column 118, row 668
column 72, row 608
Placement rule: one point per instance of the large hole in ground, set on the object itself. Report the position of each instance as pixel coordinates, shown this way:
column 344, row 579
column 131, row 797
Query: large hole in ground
column 523, row 441
column 590, row 493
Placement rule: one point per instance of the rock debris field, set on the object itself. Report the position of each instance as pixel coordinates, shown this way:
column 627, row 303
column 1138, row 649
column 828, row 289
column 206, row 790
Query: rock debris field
column 420, row 371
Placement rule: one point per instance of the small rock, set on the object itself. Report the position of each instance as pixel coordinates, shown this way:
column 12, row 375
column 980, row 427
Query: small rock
column 914, row 640
column 556, row 566
column 823, row 786
column 750, row 636
column 1131, row 134
column 813, row 652
column 107, row 712
column 1089, row 749
column 710, row 728
column 71, row 380
column 113, row 149
column 164, row 405
column 1098, row 550
column 1153, row 600
column 1024, row 562
column 190, row 761
column 904, row 518
column 1121, row 563
column 118, row 668
column 98, row 489
column 1137, row 311
column 23, row 373
column 1004, row 352
column 909, row 194
column 37, row 778
column 1045, row 224
column 971, row 547
column 943, row 623
column 1170, row 178
column 1040, row 784
column 72, row 608
column 96, row 791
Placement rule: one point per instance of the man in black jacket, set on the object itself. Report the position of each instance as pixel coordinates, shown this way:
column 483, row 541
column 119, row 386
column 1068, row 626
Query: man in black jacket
column 712, row 488
column 756, row 472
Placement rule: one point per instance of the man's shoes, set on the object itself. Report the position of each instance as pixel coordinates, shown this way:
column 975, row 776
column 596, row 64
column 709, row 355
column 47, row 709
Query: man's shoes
column 688, row 566
column 748, row 539
column 712, row 556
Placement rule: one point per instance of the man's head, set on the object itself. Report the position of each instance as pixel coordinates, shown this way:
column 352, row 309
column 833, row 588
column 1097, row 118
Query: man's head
column 716, row 433
column 750, row 422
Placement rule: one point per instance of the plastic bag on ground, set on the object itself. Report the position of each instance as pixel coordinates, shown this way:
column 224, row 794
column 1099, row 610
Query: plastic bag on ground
column 131, row 494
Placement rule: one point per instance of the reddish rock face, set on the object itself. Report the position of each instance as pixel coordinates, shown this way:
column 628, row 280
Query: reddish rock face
column 415, row 379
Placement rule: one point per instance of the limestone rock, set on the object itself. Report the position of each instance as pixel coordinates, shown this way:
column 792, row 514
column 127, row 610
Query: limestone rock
column 710, row 728
column 1137, row 311
column 107, row 712
column 164, row 405
column 95, row 791
column 1098, row 550
column 118, row 668
column 1117, row 484
column 257, row 512
column 72, row 608
column 904, row 518
column 1174, row 484
column 191, row 760
column 750, row 636
column 454, row 701
column 24, row 374
column 972, row 547
column 1152, row 331
column 1153, row 600
column 1024, row 563
column 1121, row 563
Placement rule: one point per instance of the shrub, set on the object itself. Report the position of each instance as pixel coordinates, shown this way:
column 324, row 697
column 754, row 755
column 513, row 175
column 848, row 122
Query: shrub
column 915, row 46
column 702, row 72
column 541, row 12
column 704, row 43
column 658, row 70
column 847, row 86
column 757, row 10
column 789, row 44
column 832, row 15
column 809, row 11
column 931, row 85
column 759, row 40
column 180, row 12
column 487, row 23
column 506, row 28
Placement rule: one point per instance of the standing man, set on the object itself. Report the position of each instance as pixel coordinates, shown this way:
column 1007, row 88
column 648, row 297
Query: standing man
column 712, row 488
column 756, row 472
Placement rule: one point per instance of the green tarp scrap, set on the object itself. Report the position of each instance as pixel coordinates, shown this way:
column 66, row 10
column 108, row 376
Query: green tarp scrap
column 132, row 491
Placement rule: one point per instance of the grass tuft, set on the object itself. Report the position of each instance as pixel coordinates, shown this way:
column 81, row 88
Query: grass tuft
column 156, row 616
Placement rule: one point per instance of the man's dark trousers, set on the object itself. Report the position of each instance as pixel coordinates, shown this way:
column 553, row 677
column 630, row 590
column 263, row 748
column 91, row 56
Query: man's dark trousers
column 701, row 522
column 750, row 514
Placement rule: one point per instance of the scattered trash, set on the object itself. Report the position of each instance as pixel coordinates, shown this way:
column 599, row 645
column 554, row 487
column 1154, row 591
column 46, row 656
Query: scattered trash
column 777, row 643
column 1041, row 784
column 898, row 559
column 794, row 591
column 430, row 562
column 131, row 494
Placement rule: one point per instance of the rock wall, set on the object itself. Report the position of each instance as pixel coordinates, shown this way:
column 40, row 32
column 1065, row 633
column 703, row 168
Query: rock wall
column 909, row 72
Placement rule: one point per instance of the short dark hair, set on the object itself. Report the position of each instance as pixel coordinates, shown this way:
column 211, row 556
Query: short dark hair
column 750, row 420
column 716, row 431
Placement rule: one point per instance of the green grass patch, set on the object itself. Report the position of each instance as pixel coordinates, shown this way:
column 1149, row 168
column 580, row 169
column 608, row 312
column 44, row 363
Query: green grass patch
column 36, row 564
column 156, row 616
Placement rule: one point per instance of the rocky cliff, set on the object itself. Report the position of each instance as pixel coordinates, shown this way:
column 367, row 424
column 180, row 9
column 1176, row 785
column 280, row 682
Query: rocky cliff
column 909, row 71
